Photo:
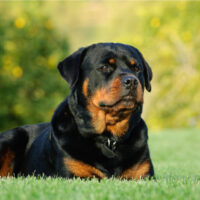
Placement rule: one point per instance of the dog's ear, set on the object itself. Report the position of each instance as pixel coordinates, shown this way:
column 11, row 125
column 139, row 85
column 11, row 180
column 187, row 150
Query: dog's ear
column 69, row 68
column 148, row 75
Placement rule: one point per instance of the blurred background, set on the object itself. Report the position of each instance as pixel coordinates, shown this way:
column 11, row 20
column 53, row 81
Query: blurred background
column 35, row 36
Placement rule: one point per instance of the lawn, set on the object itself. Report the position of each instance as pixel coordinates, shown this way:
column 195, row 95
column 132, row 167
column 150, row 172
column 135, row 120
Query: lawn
column 176, row 157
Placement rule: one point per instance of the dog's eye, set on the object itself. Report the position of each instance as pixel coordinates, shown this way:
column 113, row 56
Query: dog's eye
column 106, row 69
column 137, row 68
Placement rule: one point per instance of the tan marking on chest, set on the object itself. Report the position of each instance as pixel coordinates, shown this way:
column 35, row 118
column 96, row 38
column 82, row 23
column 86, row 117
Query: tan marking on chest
column 82, row 170
column 101, row 121
column 137, row 171
column 6, row 163
column 98, row 118
column 119, row 128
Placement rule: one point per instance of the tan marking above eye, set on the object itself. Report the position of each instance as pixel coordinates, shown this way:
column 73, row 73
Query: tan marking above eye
column 111, row 61
column 132, row 61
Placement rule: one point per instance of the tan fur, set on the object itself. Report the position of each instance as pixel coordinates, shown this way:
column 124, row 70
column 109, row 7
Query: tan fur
column 6, row 168
column 111, row 61
column 81, row 169
column 109, row 95
column 85, row 87
column 137, row 171
column 132, row 61
column 119, row 128
column 139, row 93
column 98, row 118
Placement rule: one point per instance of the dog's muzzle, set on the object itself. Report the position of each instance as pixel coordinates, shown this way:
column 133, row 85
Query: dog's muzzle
column 129, row 82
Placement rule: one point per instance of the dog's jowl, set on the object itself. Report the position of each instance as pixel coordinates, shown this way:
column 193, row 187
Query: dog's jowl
column 97, row 131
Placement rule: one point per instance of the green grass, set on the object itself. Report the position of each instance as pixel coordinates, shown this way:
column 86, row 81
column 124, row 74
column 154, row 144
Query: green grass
column 176, row 157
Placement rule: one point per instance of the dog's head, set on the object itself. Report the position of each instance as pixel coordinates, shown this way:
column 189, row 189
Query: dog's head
column 110, row 78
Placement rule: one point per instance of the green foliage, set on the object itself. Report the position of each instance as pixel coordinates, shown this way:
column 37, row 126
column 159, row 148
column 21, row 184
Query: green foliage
column 30, row 49
column 176, row 165
column 166, row 32
column 175, row 64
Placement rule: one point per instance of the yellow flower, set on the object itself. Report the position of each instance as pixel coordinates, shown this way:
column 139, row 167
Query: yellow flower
column 20, row 22
column 155, row 22
column 17, row 72
column 48, row 24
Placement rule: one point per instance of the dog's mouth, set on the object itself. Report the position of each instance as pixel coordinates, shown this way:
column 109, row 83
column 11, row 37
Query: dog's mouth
column 128, row 101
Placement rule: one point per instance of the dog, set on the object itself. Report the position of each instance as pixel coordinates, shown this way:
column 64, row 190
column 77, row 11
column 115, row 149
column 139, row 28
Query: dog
column 97, row 131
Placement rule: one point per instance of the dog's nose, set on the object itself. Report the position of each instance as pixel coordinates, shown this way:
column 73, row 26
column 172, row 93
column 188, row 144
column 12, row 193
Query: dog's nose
column 130, row 82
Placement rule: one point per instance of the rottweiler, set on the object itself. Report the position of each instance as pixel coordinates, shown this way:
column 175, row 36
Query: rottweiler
column 97, row 131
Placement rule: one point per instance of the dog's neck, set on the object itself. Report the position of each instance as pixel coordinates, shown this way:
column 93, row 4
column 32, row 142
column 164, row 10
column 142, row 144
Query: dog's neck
column 72, row 118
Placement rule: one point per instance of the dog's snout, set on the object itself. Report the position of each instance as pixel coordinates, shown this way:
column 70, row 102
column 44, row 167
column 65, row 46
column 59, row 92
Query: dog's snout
column 130, row 82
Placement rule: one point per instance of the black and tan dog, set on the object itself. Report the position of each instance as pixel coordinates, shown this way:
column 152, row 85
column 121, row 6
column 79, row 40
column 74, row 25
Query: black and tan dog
column 97, row 131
